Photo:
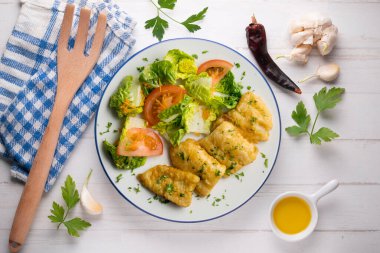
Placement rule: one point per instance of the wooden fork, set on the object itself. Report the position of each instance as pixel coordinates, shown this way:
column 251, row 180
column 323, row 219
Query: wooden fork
column 73, row 68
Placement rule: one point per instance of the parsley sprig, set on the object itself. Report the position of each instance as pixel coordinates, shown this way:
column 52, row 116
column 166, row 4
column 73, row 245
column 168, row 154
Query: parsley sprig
column 323, row 100
column 59, row 214
column 159, row 25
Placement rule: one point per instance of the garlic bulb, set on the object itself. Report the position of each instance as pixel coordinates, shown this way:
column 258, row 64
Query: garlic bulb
column 312, row 29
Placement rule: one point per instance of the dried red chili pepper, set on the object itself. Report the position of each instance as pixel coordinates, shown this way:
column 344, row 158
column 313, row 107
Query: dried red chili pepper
column 257, row 43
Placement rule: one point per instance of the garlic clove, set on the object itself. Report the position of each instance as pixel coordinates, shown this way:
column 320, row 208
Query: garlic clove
column 87, row 200
column 298, row 38
column 309, row 40
column 328, row 72
column 327, row 42
column 299, row 54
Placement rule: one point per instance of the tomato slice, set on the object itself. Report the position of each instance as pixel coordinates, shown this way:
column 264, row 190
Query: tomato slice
column 140, row 142
column 160, row 99
column 216, row 69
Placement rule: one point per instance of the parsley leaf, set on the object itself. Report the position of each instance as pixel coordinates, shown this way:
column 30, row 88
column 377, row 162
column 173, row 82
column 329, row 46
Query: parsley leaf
column 302, row 119
column 295, row 130
column 327, row 99
column 159, row 25
column 69, row 193
column 188, row 23
column 59, row 214
column 324, row 100
column 324, row 134
column 167, row 4
column 75, row 225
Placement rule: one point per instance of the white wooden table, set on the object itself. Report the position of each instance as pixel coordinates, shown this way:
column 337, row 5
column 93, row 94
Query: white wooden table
column 349, row 217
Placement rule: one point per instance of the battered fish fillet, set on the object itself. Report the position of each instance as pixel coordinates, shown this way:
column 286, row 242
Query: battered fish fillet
column 190, row 156
column 229, row 147
column 251, row 116
column 173, row 184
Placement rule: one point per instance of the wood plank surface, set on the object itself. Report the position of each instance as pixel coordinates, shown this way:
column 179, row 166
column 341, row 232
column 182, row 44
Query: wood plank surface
column 349, row 219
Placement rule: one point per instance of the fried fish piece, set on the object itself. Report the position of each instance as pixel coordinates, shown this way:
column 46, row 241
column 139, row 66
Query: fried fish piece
column 173, row 184
column 229, row 147
column 251, row 116
column 190, row 156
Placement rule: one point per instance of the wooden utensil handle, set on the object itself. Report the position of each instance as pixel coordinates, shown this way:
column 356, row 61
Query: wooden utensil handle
column 38, row 174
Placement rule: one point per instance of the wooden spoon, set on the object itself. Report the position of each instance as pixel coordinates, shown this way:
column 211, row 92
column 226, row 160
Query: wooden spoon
column 73, row 68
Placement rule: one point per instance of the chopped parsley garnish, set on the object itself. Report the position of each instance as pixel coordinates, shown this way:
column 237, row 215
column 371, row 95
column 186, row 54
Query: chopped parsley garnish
column 201, row 169
column 137, row 189
column 217, row 173
column 195, row 56
column 162, row 200
column 119, row 177
column 239, row 176
column 108, row 126
column 182, row 195
column 115, row 130
column 161, row 178
column 204, row 52
column 191, row 211
column 145, row 59
column 217, row 200
column 181, row 155
column 237, row 65
column 242, row 75
column 169, row 188
column 253, row 119
column 140, row 69
column 249, row 87
column 265, row 159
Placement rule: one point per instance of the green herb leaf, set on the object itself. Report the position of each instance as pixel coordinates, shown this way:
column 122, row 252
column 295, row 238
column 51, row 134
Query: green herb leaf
column 188, row 23
column 324, row 100
column 167, row 4
column 327, row 99
column 159, row 25
column 324, row 134
column 301, row 117
column 169, row 188
column 75, row 225
column 69, row 192
column 119, row 177
column 57, row 212
column 295, row 130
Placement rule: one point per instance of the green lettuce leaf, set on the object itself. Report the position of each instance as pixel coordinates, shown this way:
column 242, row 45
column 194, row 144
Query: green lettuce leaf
column 128, row 99
column 123, row 162
column 184, row 63
column 157, row 74
column 172, row 125
column 200, row 118
column 226, row 95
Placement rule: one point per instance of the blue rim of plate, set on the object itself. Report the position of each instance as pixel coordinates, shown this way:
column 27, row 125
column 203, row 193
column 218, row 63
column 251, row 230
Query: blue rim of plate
column 196, row 221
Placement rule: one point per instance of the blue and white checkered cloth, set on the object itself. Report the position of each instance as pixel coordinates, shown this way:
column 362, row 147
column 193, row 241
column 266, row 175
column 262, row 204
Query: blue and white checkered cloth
column 28, row 80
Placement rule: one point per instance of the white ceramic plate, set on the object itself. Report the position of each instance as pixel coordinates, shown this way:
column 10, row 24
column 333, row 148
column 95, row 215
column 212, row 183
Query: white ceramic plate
column 229, row 194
